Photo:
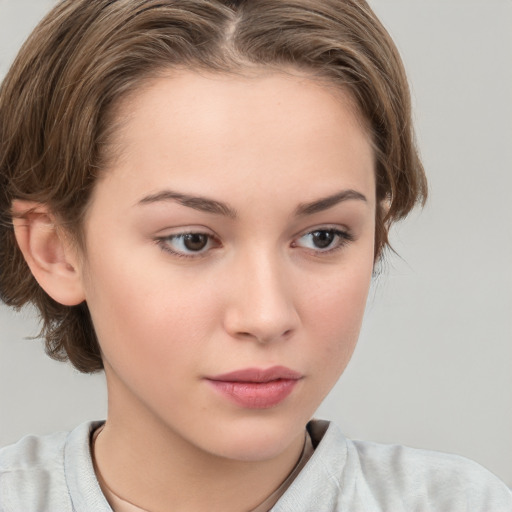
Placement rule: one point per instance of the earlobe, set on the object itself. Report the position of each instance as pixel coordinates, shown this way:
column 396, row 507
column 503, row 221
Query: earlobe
column 47, row 252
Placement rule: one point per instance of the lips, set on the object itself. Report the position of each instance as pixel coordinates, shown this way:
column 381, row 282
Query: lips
column 256, row 388
column 258, row 375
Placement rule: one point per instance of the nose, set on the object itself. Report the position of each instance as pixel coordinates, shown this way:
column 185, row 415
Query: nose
column 261, row 301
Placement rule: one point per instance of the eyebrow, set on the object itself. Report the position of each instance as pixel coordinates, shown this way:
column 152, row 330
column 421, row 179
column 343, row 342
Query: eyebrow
column 328, row 202
column 200, row 203
column 207, row 205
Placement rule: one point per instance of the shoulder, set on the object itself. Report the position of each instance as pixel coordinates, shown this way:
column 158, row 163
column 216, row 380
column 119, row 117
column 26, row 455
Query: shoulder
column 29, row 468
column 33, row 452
column 372, row 477
column 428, row 480
column 34, row 472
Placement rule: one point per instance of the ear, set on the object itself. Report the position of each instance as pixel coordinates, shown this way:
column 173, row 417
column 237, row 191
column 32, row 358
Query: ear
column 48, row 252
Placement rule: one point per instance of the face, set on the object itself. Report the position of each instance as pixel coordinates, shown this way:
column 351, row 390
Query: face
column 229, row 255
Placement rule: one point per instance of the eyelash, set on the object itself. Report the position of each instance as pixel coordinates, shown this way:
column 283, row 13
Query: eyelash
column 344, row 238
column 163, row 243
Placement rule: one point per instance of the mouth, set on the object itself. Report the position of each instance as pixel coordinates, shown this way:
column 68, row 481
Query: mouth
column 255, row 388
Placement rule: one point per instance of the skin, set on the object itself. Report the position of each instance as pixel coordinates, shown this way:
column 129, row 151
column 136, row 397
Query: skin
column 260, row 293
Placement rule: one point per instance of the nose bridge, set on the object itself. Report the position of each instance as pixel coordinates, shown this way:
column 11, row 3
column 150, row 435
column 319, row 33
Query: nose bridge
column 261, row 305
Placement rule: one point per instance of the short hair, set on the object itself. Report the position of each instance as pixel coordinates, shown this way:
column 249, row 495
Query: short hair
column 58, row 105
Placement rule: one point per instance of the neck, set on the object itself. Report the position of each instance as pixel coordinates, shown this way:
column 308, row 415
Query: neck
column 144, row 462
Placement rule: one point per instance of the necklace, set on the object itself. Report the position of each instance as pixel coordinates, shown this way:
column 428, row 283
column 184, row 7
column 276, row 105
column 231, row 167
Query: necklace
column 115, row 501
column 119, row 504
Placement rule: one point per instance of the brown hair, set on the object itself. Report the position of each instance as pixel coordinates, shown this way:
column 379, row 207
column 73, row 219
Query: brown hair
column 57, row 108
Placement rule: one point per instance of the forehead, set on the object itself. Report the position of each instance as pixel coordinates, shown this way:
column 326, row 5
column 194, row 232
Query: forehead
column 211, row 131
column 215, row 102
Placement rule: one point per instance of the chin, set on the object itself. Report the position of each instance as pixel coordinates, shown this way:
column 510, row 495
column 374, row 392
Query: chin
column 256, row 440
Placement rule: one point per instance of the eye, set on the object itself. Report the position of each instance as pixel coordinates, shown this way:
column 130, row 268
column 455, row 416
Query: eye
column 187, row 244
column 324, row 240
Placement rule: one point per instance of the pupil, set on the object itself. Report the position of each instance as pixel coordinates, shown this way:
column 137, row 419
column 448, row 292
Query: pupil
column 323, row 239
column 195, row 241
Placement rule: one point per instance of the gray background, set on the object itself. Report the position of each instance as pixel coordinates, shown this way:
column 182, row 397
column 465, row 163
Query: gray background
column 433, row 367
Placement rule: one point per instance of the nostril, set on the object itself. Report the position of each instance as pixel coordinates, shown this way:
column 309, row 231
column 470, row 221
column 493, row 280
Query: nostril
column 271, row 338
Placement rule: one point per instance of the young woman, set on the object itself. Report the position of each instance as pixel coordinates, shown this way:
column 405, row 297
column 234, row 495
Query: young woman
column 194, row 196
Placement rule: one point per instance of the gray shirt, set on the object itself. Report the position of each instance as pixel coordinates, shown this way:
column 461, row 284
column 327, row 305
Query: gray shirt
column 55, row 474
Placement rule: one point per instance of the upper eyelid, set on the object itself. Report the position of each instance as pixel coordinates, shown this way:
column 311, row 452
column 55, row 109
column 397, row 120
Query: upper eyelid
column 342, row 233
column 323, row 227
column 169, row 234
column 202, row 230
column 185, row 230
column 185, row 233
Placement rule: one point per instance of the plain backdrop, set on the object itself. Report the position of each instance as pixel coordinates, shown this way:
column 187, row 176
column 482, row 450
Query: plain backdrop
column 433, row 365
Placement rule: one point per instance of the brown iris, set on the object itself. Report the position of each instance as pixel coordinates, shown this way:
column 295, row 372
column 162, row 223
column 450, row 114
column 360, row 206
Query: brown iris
column 323, row 239
column 195, row 241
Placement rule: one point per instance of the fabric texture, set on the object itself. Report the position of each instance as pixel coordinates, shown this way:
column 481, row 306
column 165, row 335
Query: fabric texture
column 55, row 474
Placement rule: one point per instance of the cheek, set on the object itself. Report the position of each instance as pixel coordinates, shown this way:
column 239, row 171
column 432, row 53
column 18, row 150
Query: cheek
column 335, row 312
column 143, row 314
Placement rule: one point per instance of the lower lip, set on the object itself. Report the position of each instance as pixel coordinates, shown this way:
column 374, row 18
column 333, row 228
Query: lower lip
column 256, row 395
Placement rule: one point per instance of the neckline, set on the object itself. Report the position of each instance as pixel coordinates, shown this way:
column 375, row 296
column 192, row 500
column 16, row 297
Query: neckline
column 120, row 504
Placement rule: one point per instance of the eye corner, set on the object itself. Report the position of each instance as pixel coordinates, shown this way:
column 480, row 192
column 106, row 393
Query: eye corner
column 189, row 244
column 324, row 240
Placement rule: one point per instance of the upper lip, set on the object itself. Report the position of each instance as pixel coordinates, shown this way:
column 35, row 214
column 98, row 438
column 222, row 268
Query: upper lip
column 258, row 375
